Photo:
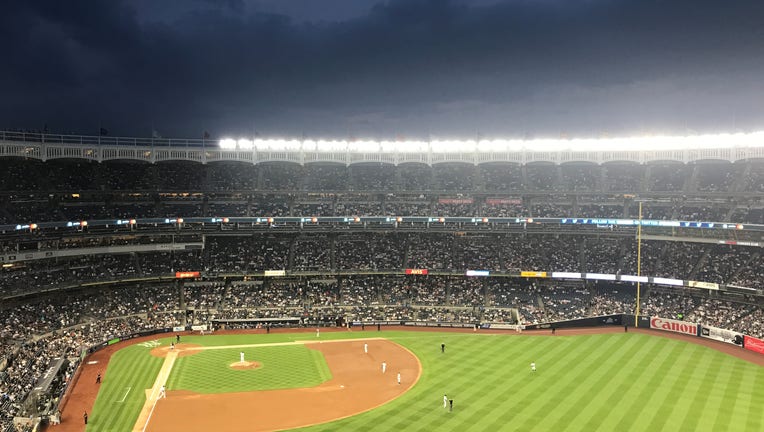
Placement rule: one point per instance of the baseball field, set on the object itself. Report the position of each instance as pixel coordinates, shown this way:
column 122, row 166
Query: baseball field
column 636, row 381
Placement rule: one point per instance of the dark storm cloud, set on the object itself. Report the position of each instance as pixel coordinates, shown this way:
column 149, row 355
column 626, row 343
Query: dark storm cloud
column 410, row 67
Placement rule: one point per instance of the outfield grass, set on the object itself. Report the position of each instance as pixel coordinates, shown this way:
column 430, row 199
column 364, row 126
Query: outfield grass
column 612, row 382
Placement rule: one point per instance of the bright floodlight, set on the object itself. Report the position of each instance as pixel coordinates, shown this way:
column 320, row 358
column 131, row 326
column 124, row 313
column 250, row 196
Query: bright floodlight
column 755, row 139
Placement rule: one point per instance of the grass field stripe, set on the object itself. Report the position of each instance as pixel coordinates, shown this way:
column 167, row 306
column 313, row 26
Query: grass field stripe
column 549, row 375
column 619, row 387
column 639, row 379
column 563, row 380
column 673, row 386
column 498, row 387
column 692, row 417
column 724, row 414
column 754, row 421
column 701, row 390
column 626, row 360
column 464, row 389
column 527, row 387
column 748, row 400
column 703, row 365
column 564, row 395
column 653, row 380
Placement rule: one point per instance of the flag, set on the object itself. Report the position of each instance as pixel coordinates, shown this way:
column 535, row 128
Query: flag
column 155, row 134
column 206, row 135
column 103, row 131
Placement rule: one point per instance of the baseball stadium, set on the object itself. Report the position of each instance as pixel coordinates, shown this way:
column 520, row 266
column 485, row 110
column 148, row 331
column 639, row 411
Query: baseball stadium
column 153, row 284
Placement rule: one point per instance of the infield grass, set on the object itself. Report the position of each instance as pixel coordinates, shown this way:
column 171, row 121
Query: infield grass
column 282, row 367
column 611, row 382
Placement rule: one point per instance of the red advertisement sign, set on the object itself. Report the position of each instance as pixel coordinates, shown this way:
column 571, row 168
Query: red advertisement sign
column 186, row 275
column 753, row 344
column 675, row 326
column 416, row 271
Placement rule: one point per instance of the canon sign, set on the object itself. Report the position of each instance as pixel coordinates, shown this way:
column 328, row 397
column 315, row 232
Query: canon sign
column 674, row 326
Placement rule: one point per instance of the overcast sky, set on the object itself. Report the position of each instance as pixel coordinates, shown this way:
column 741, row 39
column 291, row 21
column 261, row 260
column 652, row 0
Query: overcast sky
column 377, row 69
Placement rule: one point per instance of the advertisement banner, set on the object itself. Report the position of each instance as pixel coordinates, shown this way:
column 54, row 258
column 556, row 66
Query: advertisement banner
column 675, row 326
column 455, row 200
column 186, row 274
column 705, row 285
column 500, row 201
column 753, row 344
column 538, row 274
column 720, row 334
column 199, row 327
column 416, row 271
column 274, row 273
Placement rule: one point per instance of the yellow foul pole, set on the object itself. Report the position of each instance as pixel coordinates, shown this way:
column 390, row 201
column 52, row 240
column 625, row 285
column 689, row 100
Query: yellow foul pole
column 639, row 261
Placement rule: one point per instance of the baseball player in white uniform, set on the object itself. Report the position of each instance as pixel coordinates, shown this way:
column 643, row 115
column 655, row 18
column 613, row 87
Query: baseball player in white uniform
column 399, row 378
column 366, row 348
column 384, row 367
column 445, row 401
column 533, row 367
column 162, row 392
column 241, row 357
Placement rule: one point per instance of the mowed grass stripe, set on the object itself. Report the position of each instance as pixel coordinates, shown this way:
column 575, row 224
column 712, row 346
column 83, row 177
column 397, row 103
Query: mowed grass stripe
column 749, row 397
column 682, row 371
column 512, row 387
column 728, row 400
column 562, row 383
column 131, row 367
column 698, row 386
column 701, row 390
column 467, row 395
column 653, row 378
column 593, row 385
column 696, row 365
column 453, row 380
column 755, row 420
column 620, row 385
column 529, row 387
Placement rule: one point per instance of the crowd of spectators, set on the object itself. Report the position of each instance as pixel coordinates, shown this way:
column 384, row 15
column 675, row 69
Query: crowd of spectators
column 77, row 190
column 222, row 254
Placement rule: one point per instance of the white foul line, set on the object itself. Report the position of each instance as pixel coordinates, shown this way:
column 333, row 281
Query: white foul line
column 123, row 397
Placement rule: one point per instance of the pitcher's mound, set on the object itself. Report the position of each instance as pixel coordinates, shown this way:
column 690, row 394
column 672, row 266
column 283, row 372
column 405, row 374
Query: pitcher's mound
column 245, row 365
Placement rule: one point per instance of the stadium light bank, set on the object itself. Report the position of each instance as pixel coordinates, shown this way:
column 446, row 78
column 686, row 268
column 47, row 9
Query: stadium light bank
column 663, row 142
